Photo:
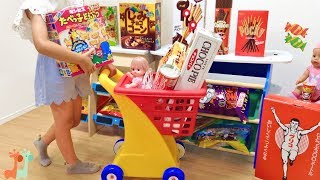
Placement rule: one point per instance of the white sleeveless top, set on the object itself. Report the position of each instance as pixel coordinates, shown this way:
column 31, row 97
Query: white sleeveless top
column 22, row 23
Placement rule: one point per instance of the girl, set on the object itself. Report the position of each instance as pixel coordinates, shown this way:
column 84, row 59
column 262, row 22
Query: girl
column 312, row 73
column 62, row 94
column 139, row 66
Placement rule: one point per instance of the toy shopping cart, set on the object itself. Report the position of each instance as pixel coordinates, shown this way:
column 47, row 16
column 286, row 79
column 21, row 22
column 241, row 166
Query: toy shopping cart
column 152, row 118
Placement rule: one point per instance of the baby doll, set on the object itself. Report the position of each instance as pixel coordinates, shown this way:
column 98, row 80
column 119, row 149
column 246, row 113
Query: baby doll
column 139, row 67
column 313, row 73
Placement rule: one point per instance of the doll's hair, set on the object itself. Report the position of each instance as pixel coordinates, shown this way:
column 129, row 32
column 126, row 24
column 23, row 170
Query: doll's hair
column 140, row 62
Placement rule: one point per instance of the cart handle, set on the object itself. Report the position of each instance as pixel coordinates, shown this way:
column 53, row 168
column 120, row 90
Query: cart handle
column 107, row 83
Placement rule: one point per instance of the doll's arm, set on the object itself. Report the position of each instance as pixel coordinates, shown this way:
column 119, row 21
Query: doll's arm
column 132, row 85
column 304, row 76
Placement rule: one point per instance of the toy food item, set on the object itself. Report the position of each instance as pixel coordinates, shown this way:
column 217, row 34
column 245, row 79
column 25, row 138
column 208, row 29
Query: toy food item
column 251, row 33
column 140, row 25
column 166, row 77
column 222, row 23
column 307, row 91
column 225, row 100
column 78, row 29
column 237, row 136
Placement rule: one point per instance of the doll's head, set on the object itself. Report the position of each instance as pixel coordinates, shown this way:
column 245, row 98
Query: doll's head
column 139, row 66
column 315, row 60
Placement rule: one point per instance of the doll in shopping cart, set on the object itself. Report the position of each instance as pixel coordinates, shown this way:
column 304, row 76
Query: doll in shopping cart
column 140, row 73
column 310, row 90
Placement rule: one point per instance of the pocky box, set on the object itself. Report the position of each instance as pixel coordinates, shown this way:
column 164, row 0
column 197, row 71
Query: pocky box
column 251, row 33
column 140, row 26
column 79, row 29
column 188, row 15
column 199, row 58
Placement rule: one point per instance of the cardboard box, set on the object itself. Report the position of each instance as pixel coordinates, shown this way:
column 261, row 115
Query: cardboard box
column 288, row 148
column 188, row 15
column 140, row 26
column 199, row 58
column 79, row 29
column 251, row 33
column 110, row 15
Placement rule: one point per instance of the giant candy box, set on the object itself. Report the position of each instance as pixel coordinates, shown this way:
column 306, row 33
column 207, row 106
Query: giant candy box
column 78, row 29
column 289, row 140
column 140, row 25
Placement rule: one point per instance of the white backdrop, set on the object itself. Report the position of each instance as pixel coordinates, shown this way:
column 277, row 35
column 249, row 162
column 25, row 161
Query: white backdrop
column 19, row 56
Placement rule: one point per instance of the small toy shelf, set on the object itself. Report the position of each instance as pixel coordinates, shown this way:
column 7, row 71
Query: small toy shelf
column 242, row 71
column 97, row 88
column 271, row 56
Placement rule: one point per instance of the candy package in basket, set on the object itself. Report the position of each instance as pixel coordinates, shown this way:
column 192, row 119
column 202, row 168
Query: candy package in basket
column 226, row 100
column 79, row 29
column 170, row 66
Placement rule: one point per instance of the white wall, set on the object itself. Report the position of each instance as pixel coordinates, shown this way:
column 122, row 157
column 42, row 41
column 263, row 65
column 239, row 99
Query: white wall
column 16, row 84
column 17, row 66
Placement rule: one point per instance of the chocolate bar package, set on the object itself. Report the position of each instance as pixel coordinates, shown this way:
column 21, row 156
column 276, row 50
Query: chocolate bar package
column 188, row 15
column 226, row 100
column 251, row 33
column 140, row 26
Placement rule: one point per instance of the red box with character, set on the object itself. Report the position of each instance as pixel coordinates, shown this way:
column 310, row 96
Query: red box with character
column 289, row 140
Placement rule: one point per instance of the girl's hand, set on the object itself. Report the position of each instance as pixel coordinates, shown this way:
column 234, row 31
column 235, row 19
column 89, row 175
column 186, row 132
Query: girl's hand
column 111, row 67
column 86, row 62
column 298, row 82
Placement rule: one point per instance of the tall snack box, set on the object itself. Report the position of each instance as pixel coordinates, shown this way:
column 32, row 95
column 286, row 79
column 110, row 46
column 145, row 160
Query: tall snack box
column 199, row 58
column 289, row 140
column 140, row 26
column 222, row 23
column 110, row 15
column 251, row 33
column 79, row 29
column 188, row 15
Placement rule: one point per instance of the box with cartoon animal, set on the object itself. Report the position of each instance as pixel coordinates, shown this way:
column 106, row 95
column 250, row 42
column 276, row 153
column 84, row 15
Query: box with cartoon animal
column 140, row 25
column 110, row 15
column 79, row 29
column 289, row 140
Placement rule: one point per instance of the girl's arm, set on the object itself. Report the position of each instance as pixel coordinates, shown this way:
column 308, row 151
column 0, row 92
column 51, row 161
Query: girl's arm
column 46, row 47
column 304, row 76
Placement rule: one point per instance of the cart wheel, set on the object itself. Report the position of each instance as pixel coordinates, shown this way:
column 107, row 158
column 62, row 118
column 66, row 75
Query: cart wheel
column 112, row 172
column 117, row 145
column 181, row 149
column 173, row 174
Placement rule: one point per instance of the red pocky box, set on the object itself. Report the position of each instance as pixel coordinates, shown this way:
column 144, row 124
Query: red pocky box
column 251, row 33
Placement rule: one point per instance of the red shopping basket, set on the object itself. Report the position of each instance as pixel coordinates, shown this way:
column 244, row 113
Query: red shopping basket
column 172, row 112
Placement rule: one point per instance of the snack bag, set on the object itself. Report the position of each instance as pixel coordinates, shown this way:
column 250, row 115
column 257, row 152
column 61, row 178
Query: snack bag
column 79, row 29
column 237, row 136
column 226, row 100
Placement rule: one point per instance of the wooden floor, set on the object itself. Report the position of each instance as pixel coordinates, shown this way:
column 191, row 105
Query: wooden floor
column 198, row 164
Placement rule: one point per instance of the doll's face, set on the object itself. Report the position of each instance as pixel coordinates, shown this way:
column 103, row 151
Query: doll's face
column 315, row 60
column 137, row 71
